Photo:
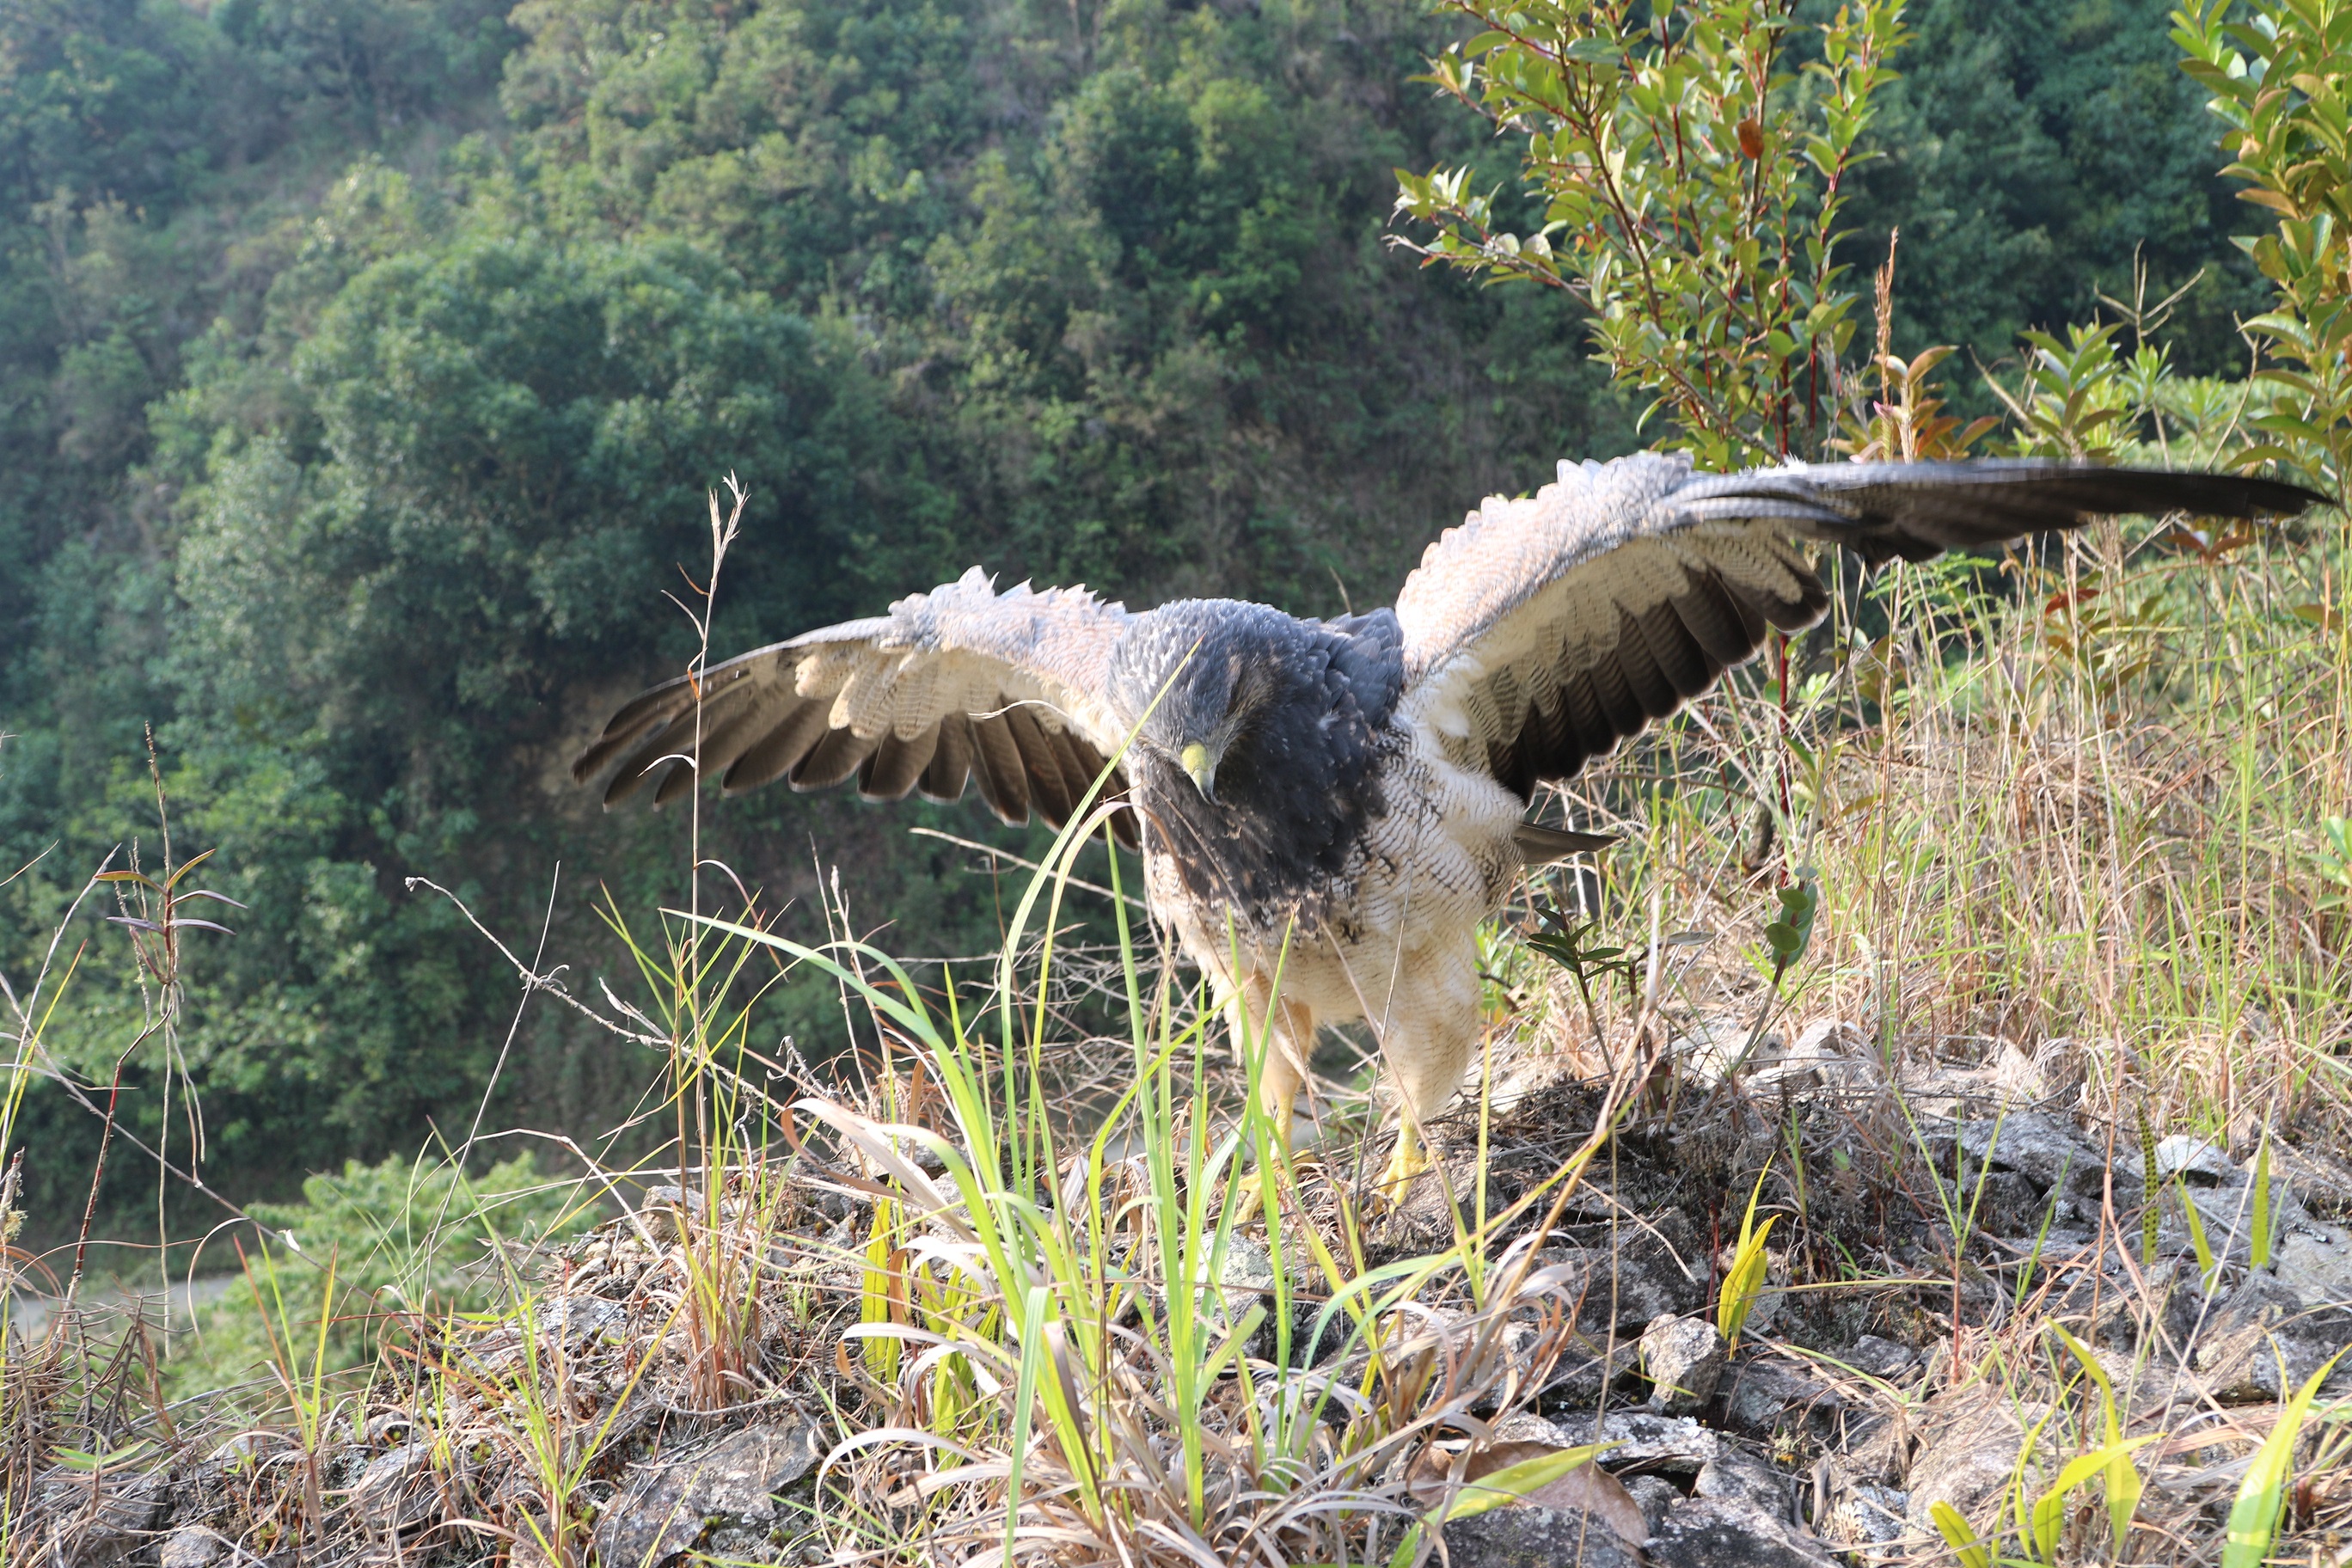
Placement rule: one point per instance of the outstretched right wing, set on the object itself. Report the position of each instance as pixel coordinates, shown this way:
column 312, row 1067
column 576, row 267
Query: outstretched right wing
column 1544, row 630
column 959, row 683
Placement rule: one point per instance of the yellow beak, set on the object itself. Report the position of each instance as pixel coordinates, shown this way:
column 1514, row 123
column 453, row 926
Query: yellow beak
column 1202, row 767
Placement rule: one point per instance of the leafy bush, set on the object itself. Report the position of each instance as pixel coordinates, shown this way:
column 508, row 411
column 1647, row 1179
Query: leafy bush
column 402, row 1237
column 2282, row 81
column 1692, row 191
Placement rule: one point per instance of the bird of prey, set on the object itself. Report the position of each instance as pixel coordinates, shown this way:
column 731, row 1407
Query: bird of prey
column 1342, row 801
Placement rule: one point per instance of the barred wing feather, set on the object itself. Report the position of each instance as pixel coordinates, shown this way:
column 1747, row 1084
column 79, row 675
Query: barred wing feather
column 960, row 684
column 1546, row 629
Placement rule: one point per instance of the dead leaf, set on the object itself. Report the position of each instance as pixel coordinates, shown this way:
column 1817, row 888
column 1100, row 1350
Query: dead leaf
column 1599, row 1493
column 1587, row 1487
column 1751, row 141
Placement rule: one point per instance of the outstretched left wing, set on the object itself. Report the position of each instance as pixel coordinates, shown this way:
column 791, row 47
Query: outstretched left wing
column 1544, row 630
column 962, row 682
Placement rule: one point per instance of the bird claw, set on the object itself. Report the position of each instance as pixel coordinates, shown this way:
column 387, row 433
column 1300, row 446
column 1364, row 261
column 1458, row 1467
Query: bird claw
column 1409, row 1160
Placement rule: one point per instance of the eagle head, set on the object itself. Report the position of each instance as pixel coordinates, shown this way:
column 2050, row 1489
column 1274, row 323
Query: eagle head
column 1255, row 752
column 1200, row 674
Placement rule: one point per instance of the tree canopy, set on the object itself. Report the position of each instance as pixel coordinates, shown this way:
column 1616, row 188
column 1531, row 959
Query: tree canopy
column 363, row 365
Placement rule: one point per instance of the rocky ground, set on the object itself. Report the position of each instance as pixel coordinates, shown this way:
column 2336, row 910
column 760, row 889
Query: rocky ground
column 1900, row 1355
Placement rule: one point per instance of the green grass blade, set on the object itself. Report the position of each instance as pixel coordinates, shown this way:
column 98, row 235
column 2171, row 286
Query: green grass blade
column 2260, row 1243
column 2049, row 1508
column 2261, row 1495
column 1971, row 1551
column 2206, row 1269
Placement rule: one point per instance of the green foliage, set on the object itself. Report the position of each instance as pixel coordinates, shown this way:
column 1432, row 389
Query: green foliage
column 1743, row 1282
column 1693, row 173
column 399, row 1237
column 362, row 365
column 2261, row 1497
column 2124, row 1485
column 1562, row 941
column 1788, row 936
column 2035, row 152
column 1968, row 1547
column 2282, row 83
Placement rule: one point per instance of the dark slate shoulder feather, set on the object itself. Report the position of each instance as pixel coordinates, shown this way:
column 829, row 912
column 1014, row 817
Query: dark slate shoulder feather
column 1369, row 655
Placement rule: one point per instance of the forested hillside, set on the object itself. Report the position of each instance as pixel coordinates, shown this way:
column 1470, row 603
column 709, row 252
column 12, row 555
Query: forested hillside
column 363, row 364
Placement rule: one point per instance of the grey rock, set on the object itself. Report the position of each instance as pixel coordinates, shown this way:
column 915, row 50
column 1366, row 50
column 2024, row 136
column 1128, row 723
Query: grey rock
column 664, row 1210
column 2182, row 1153
column 1876, row 1357
column 1971, row 1448
column 1247, row 1265
column 1244, row 1279
column 1640, row 1439
column 1705, row 1048
column 2182, row 1310
column 1527, row 1537
column 2049, row 1071
column 1764, row 1310
column 1653, row 1495
column 1525, row 1427
column 1763, row 1395
column 2042, row 1147
column 387, row 1428
column 1675, row 1443
column 2226, row 1213
column 397, row 1491
column 94, row 1528
column 1735, row 1475
column 1584, row 1371
column 2316, row 1263
column 1722, row 1533
column 674, row 1506
column 2322, row 1179
column 194, row 1548
column 1625, row 1291
column 1876, row 1448
column 248, row 1448
column 2007, row 1204
column 1867, row 1515
column 2259, row 1340
column 583, row 1320
column 2120, row 1317
column 1683, row 1358
column 1828, row 1053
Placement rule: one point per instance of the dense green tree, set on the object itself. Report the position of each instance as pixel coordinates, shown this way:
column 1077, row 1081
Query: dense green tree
column 366, row 644
column 363, row 364
column 2033, row 151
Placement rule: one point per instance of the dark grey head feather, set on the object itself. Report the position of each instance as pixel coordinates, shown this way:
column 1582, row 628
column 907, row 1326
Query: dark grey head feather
column 1294, row 708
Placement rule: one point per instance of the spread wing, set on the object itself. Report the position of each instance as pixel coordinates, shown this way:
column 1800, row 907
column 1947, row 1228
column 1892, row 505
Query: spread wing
column 1543, row 631
column 959, row 683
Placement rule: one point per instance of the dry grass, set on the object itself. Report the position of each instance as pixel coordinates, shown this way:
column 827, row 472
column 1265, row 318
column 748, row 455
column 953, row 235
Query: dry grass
column 2087, row 869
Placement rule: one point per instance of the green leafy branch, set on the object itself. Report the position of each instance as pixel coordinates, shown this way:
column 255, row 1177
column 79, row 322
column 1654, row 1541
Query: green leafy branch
column 2280, row 76
column 1692, row 185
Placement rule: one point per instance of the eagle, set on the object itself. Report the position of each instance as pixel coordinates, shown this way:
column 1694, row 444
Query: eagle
column 1328, row 809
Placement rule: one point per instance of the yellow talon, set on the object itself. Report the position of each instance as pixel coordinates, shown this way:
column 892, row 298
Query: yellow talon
column 1410, row 1160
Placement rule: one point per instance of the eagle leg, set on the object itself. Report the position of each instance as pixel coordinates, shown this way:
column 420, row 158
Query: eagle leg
column 1287, row 1038
column 1428, row 1039
column 1285, row 1033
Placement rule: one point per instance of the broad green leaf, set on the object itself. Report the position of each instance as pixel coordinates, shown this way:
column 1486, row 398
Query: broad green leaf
column 2262, row 1494
column 1971, row 1551
column 1515, row 1481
